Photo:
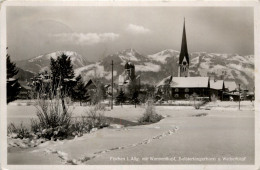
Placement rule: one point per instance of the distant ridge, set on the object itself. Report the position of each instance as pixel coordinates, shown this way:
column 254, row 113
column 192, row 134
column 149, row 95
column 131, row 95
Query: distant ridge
column 155, row 67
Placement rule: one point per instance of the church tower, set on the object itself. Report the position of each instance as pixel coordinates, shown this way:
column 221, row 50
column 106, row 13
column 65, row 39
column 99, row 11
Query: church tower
column 183, row 70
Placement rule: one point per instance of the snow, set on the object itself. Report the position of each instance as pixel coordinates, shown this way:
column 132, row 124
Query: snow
column 162, row 56
column 180, row 130
column 147, row 66
column 94, row 70
column 128, row 55
column 164, row 81
column 195, row 60
column 76, row 58
column 243, row 79
column 248, row 71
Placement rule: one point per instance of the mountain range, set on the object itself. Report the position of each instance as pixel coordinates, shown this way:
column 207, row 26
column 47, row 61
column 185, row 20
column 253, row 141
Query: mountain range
column 153, row 68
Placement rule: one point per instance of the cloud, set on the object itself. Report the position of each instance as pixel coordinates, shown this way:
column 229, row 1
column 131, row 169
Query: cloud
column 137, row 29
column 86, row 38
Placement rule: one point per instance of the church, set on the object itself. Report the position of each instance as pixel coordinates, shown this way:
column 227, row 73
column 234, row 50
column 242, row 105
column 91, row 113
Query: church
column 183, row 86
column 128, row 78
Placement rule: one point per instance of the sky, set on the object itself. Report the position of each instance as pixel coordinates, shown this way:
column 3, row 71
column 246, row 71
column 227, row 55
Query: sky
column 95, row 32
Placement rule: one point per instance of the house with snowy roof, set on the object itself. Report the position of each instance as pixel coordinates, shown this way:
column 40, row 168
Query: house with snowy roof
column 183, row 86
column 217, row 88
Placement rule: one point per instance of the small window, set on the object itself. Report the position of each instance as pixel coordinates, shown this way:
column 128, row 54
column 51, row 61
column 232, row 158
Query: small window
column 186, row 90
column 176, row 95
column 187, row 96
column 176, row 90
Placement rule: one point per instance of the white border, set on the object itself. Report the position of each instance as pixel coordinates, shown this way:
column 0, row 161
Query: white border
column 3, row 108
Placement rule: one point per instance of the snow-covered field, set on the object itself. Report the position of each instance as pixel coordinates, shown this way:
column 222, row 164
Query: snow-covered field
column 225, row 137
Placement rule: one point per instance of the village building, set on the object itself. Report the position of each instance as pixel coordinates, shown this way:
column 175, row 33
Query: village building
column 128, row 79
column 184, row 86
column 25, row 92
column 108, row 89
column 217, row 88
column 231, row 91
column 91, row 85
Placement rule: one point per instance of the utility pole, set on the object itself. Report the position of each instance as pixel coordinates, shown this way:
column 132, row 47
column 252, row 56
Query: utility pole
column 239, row 96
column 112, row 85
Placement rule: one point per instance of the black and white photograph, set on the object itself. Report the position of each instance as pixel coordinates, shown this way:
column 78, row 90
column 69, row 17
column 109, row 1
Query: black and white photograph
column 135, row 84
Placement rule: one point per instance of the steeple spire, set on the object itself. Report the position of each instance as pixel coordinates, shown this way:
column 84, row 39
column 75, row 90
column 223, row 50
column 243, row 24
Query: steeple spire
column 184, row 47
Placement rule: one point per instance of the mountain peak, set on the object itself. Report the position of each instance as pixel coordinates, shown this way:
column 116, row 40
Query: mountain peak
column 43, row 61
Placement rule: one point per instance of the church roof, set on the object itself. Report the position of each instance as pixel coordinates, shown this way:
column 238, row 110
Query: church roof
column 189, row 82
column 216, row 84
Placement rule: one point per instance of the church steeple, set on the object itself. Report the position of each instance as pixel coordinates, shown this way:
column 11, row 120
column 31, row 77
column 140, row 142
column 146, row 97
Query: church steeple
column 184, row 47
column 184, row 56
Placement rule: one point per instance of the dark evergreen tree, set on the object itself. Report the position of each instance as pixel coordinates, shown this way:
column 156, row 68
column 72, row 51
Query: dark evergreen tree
column 135, row 100
column 13, row 86
column 120, row 99
column 80, row 92
column 10, row 68
column 62, row 76
column 62, row 72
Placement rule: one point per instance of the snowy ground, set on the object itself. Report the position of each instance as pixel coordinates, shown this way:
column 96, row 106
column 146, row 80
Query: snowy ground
column 225, row 137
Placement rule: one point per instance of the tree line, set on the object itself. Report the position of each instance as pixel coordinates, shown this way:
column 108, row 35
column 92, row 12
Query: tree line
column 61, row 80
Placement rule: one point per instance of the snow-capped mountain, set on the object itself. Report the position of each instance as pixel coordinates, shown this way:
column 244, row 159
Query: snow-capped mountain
column 227, row 66
column 153, row 68
column 42, row 62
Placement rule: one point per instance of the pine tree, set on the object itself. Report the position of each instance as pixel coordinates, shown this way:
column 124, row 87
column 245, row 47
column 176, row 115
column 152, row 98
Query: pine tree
column 135, row 99
column 10, row 67
column 80, row 92
column 62, row 76
column 120, row 99
column 13, row 86
column 62, row 71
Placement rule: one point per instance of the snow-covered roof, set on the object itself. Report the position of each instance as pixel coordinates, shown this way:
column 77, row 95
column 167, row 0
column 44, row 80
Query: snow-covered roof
column 26, row 87
column 231, row 85
column 90, row 82
column 189, row 82
column 11, row 79
column 216, row 84
column 107, row 85
column 164, row 81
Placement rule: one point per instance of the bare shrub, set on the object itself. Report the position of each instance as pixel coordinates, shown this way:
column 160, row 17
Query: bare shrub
column 18, row 132
column 79, row 127
column 213, row 98
column 53, row 115
column 196, row 103
column 96, row 118
column 50, row 113
column 150, row 115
